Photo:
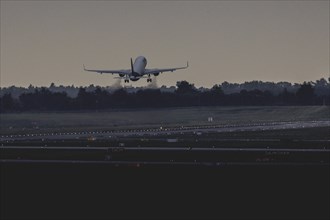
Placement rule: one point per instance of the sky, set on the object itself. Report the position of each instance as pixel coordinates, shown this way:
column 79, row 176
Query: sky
column 236, row 41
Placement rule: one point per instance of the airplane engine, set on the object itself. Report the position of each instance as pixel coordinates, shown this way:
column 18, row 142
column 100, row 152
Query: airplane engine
column 156, row 74
column 121, row 75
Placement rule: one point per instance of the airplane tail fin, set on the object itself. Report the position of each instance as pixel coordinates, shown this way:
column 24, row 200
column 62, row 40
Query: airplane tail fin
column 132, row 66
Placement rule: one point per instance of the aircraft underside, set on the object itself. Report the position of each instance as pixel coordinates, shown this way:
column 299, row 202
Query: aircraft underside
column 134, row 79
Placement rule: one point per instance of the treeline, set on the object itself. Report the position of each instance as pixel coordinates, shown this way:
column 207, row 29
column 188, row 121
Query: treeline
column 321, row 87
column 185, row 94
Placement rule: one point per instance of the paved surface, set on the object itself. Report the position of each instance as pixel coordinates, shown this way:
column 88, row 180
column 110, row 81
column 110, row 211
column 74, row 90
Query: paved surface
column 167, row 131
column 164, row 149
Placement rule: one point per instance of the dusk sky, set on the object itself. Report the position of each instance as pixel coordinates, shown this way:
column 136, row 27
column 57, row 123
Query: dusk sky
column 235, row 41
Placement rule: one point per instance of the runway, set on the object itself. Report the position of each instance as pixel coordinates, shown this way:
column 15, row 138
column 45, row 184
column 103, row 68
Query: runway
column 161, row 131
column 162, row 149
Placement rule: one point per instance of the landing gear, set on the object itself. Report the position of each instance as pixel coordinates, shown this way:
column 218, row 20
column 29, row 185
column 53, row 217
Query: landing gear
column 126, row 79
column 149, row 79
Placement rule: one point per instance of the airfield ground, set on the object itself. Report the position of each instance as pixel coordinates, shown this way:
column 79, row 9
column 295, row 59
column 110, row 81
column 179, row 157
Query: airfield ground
column 118, row 119
column 258, row 134
column 265, row 163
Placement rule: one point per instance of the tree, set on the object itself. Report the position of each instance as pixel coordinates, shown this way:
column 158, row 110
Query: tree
column 101, row 98
column 120, row 97
column 216, row 95
column 305, row 94
column 286, row 97
column 322, row 88
column 7, row 102
column 217, row 90
column 85, row 99
column 185, row 88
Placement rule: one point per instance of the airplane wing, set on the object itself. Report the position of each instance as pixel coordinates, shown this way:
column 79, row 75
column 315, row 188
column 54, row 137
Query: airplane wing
column 121, row 72
column 155, row 71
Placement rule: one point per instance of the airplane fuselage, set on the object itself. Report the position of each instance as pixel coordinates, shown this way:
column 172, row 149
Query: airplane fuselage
column 139, row 67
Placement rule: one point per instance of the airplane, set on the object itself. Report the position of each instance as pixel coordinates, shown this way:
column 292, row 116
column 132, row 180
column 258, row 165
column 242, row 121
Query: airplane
column 137, row 70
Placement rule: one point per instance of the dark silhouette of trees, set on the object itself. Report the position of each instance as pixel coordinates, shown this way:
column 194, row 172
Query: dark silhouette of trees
column 286, row 97
column 101, row 98
column 305, row 94
column 187, row 94
column 215, row 96
column 148, row 98
column 95, row 97
column 120, row 98
column 7, row 102
column 217, row 91
column 322, row 87
column 44, row 100
column 85, row 100
column 185, row 88
column 255, row 97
